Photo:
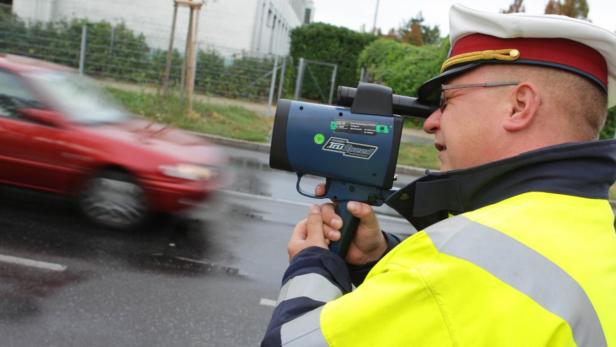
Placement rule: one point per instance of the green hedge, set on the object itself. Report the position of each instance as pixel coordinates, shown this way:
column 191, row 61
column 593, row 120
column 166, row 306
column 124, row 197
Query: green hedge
column 115, row 52
column 326, row 43
column 401, row 66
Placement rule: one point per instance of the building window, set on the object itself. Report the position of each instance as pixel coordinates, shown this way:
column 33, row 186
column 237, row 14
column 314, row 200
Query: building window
column 307, row 13
column 6, row 2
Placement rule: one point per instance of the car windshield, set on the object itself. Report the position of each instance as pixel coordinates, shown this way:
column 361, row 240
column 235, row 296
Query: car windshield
column 78, row 98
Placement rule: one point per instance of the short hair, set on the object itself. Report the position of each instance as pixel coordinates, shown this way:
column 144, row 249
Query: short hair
column 580, row 101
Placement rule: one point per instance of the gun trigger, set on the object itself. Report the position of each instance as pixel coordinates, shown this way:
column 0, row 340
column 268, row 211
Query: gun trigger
column 299, row 188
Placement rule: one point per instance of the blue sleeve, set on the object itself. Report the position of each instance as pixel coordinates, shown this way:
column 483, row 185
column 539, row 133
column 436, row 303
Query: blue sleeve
column 359, row 272
column 314, row 277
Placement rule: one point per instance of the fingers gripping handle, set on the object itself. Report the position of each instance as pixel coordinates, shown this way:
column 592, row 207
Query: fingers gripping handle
column 348, row 230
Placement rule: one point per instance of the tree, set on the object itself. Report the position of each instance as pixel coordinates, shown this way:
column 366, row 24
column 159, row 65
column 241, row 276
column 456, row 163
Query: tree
column 552, row 7
column 415, row 32
column 414, row 36
column 569, row 8
column 515, row 7
column 391, row 34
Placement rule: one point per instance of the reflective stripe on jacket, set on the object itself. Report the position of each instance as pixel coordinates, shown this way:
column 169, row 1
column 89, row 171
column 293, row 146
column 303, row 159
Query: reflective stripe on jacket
column 529, row 260
column 537, row 269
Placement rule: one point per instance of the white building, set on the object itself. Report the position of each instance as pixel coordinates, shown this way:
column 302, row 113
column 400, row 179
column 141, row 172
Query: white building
column 229, row 26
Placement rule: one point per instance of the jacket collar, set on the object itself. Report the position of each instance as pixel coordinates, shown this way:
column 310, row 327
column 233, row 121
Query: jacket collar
column 585, row 169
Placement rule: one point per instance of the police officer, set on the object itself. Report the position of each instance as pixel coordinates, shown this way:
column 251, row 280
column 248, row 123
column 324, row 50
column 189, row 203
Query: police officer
column 517, row 244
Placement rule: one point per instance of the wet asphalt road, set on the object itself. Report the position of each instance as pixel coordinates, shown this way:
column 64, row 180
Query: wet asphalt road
column 204, row 281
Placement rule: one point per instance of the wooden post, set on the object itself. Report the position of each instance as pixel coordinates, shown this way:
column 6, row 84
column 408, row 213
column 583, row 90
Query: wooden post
column 188, row 67
column 190, row 55
column 170, row 50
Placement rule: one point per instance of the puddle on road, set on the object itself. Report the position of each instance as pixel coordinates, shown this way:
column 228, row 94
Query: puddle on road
column 23, row 288
column 250, row 163
column 236, row 210
column 248, row 175
column 178, row 265
column 15, row 307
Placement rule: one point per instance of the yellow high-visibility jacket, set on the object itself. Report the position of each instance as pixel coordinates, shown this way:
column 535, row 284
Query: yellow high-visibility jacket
column 535, row 268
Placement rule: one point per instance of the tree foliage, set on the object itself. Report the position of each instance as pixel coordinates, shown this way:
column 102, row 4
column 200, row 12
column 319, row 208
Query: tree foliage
column 415, row 32
column 112, row 51
column 571, row 8
column 326, row 43
column 401, row 66
column 516, row 7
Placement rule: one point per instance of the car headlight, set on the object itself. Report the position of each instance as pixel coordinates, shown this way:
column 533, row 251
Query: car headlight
column 190, row 171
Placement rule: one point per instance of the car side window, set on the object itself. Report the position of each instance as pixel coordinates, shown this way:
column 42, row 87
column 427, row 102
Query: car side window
column 14, row 95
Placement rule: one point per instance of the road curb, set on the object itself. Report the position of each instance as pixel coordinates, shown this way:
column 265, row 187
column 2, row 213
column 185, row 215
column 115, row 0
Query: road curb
column 265, row 148
column 242, row 144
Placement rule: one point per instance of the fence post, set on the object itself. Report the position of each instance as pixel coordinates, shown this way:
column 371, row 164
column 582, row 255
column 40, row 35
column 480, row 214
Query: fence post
column 272, row 86
column 195, row 51
column 112, row 41
column 82, row 53
column 331, row 89
column 283, row 71
column 170, row 50
column 300, row 78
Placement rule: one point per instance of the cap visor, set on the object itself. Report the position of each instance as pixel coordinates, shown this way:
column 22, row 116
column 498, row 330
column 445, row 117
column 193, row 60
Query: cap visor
column 429, row 93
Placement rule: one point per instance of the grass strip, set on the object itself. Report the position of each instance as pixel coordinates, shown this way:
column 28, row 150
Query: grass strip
column 235, row 122
column 228, row 121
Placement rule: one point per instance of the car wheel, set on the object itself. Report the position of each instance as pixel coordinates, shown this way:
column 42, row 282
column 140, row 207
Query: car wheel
column 113, row 199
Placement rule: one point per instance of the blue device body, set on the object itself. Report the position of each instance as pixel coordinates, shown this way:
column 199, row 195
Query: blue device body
column 332, row 142
column 355, row 148
column 356, row 153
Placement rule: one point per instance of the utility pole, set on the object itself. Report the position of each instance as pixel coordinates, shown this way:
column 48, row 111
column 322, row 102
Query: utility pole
column 376, row 14
column 188, row 76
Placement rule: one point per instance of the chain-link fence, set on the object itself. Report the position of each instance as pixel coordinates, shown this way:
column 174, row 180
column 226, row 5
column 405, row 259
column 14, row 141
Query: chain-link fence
column 113, row 51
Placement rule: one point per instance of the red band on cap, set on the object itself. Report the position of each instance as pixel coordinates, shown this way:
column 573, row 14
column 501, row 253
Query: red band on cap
column 553, row 51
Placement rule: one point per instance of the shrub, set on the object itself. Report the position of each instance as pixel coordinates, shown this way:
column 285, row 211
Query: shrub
column 210, row 71
column 401, row 66
column 330, row 44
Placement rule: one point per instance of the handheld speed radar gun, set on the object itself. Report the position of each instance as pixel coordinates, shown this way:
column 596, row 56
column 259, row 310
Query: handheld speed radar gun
column 353, row 144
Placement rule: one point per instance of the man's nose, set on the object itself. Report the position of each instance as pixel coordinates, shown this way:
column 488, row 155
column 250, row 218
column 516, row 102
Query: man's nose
column 432, row 123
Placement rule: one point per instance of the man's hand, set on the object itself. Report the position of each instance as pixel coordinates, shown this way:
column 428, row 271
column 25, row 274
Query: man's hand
column 308, row 233
column 369, row 243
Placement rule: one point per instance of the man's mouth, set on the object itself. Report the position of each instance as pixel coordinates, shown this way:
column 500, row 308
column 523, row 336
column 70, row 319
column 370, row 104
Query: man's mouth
column 439, row 147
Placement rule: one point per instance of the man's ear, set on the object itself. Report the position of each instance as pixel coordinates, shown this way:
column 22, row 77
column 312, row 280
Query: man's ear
column 525, row 100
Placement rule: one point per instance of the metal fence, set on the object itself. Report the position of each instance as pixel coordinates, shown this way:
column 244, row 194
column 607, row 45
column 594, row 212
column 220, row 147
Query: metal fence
column 113, row 51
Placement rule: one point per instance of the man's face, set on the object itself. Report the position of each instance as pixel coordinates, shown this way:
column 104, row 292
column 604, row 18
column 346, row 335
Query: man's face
column 467, row 131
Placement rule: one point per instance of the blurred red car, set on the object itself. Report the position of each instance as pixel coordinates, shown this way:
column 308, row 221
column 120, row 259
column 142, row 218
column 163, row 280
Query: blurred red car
column 60, row 133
